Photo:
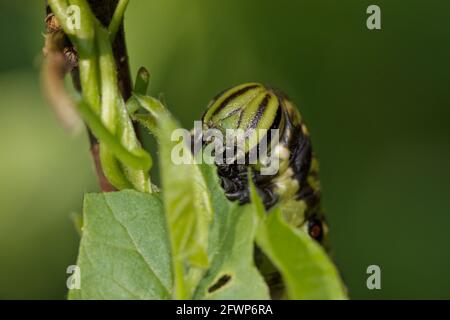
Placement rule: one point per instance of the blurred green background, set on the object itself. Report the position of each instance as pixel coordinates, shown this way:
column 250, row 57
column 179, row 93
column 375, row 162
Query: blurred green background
column 377, row 104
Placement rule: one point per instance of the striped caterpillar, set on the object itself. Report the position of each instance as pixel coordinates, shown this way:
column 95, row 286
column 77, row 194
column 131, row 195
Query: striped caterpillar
column 295, row 186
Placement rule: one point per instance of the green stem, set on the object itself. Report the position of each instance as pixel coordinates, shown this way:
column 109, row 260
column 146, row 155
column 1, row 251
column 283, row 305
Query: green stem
column 84, row 40
column 117, row 18
column 89, row 79
column 108, row 76
column 138, row 159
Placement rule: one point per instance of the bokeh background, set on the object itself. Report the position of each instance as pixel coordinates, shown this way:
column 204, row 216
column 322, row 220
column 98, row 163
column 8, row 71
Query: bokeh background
column 377, row 104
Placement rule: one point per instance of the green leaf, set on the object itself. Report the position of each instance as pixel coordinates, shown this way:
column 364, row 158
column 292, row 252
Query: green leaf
column 124, row 251
column 307, row 270
column 233, row 274
column 186, row 198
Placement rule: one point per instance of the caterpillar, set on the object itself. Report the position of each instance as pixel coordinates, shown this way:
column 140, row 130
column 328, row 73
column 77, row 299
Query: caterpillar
column 295, row 186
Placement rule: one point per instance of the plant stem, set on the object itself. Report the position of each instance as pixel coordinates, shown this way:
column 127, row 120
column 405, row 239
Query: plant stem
column 137, row 160
column 104, row 10
column 117, row 18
